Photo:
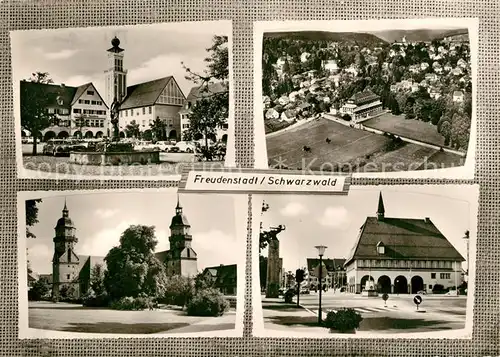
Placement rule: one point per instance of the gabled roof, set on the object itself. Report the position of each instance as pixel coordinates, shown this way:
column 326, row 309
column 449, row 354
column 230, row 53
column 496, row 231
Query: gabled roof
column 366, row 96
column 204, row 91
column 404, row 238
column 53, row 92
column 222, row 272
column 331, row 264
column 144, row 94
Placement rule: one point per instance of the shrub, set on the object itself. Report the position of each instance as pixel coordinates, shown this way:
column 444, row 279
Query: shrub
column 130, row 303
column 343, row 320
column 207, row 302
column 438, row 289
column 179, row 290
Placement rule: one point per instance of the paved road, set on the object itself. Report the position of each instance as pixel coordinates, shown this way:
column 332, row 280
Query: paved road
column 450, row 308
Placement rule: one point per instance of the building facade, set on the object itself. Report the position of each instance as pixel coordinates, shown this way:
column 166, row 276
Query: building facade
column 180, row 259
column 362, row 106
column 77, row 111
column 402, row 256
column 223, row 278
column 196, row 94
column 333, row 277
column 145, row 102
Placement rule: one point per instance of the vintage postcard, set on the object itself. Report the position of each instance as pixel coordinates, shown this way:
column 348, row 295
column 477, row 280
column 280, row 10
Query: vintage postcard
column 381, row 262
column 130, row 102
column 151, row 263
column 381, row 98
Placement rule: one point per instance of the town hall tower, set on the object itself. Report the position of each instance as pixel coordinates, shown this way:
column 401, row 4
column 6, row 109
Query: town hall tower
column 115, row 75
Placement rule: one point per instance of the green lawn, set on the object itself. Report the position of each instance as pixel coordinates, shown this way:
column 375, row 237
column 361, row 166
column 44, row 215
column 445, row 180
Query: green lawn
column 359, row 150
column 410, row 128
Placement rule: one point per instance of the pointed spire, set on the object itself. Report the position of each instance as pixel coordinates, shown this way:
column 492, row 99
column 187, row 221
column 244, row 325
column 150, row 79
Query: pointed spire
column 178, row 208
column 381, row 209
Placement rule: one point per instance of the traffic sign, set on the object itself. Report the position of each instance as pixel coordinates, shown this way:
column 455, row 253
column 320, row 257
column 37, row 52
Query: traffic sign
column 324, row 272
column 385, row 297
column 417, row 300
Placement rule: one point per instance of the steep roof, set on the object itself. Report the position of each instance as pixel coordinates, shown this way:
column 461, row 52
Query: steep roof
column 331, row 264
column 81, row 89
column 204, row 91
column 404, row 238
column 144, row 94
column 222, row 272
column 52, row 91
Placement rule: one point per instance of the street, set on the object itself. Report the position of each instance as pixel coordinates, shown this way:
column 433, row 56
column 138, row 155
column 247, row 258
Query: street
column 398, row 315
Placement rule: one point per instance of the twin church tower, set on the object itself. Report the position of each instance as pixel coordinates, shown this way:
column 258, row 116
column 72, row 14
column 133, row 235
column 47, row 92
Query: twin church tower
column 71, row 272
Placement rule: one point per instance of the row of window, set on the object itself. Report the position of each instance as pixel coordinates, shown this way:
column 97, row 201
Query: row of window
column 61, row 111
column 92, row 123
column 169, row 121
column 92, row 102
column 445, row 276
column 89, row 111
column 388, row 263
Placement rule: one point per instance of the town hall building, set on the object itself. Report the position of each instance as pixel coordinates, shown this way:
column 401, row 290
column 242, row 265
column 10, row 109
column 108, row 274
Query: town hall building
column 402, row 255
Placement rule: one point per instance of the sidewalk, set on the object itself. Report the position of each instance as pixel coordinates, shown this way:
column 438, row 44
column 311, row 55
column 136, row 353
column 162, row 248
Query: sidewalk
column 224, row 322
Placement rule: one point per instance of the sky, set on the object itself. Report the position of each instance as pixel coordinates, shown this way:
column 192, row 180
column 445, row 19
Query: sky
column 100, row 218
column 77, row 56
column 334, row 221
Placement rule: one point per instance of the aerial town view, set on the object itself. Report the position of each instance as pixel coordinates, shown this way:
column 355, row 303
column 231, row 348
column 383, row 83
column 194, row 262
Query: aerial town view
column 395, row 100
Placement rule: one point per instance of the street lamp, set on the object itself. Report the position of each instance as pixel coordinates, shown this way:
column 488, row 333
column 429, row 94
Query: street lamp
column 321, row 250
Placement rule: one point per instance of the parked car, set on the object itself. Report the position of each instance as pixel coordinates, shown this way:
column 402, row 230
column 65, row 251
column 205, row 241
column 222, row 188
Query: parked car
column 186, row 146
column 452, row 293
column 422, row 292
column 174, row 149
column 57, row 147
column 304, row 290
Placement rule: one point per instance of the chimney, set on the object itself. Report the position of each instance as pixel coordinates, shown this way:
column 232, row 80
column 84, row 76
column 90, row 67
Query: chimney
column 427, row 220
column 63, row 85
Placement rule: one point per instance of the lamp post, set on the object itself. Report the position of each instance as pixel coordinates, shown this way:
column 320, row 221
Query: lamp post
column 321, row 250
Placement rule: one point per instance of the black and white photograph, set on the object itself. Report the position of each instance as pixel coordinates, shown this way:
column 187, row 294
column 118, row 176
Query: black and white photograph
column 382, row 261
column 367, row 97
column 133, row 101
column 132, row 264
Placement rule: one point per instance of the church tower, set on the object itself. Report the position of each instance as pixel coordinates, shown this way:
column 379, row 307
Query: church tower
column 115, row 75
column 182, row 259
column 381, row 209
column 65, row 262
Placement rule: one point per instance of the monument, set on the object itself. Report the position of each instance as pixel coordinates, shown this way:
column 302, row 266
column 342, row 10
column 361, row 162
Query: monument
column 273, row 263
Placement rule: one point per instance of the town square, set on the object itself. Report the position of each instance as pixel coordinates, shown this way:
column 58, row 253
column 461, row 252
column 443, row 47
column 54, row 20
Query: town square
column 101, row 102
column 390, row 261
column 132, row 271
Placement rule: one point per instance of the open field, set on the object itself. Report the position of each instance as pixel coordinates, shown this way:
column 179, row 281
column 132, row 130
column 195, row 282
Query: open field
column 399, row 315
column 349, row 147
column 410, row 128
column 75, row 318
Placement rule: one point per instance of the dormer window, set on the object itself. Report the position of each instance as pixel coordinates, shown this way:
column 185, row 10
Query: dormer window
column 380, row 248
column 60, row 101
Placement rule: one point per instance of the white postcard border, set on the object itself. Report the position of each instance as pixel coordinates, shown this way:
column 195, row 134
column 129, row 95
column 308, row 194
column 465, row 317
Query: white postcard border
column 259, row 329
column 25, row 332
column 22, row 172
column 466, row 171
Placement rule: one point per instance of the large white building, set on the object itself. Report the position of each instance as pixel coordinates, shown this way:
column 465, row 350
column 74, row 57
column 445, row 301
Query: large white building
column 362, row 105
column 401, row 255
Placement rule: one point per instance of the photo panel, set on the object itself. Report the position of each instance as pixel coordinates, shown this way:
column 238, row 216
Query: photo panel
column 379, row 262
column 374, row 98
column 128, row 102
column 130, row 263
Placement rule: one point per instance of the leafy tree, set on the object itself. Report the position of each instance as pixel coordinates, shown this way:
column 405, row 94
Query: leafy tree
column 201, row 281
column 179, row 290
column 34, row 102
column 263, row 271
column 132, row 129
column 97, row 279
column 159, row 129
column 39, row 290
column 211, row 111
column 132, row 267
column 147, row 134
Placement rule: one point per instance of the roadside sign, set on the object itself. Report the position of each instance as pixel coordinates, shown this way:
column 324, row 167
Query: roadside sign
column 324, row 272
column 417, row 300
